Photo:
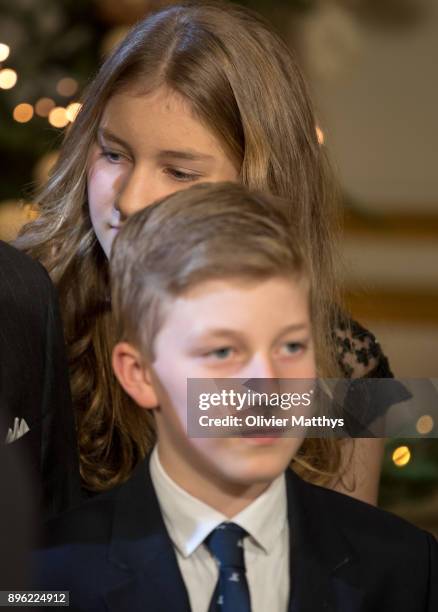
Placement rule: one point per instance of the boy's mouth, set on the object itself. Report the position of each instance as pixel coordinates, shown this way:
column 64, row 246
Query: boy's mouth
column 264, row 440
column 262, row 432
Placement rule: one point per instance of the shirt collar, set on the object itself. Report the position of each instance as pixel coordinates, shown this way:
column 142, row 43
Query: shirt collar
column 266, row 516
column 189, row 520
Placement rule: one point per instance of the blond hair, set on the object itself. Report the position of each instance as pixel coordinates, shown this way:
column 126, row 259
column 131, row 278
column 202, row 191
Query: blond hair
column 244, row 84
column 210, row 231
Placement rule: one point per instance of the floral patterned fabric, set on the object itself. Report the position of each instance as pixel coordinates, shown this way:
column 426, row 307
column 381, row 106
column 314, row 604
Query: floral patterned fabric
column 360, row 355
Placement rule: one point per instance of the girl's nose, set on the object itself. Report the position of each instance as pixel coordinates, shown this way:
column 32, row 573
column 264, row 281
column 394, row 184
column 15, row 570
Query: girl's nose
column 137, row 192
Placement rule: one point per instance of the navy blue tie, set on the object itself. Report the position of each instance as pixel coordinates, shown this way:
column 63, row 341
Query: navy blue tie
column 231, row 593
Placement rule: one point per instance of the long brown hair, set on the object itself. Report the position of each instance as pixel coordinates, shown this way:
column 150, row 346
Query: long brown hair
column 244, row 84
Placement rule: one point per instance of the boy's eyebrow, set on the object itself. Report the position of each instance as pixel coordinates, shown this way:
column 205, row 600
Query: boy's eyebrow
column 293, row 328
column 211, row 333
column 296, row 327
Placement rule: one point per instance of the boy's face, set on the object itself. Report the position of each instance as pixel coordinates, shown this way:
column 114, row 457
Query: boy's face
column 222, row 329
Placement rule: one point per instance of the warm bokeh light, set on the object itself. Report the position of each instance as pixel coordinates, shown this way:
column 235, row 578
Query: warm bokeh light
column 43, row 106
column 320, row 135
column 8, row 78
column 58, row 117
column 67, row 87
column 4, row 52
column 401, row 456
column 72, row 110
column 23, row 112
column 44, row 167
column 425, row 424
column 13, row 215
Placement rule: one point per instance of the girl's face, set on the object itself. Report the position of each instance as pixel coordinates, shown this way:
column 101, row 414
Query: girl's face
column 147, row 147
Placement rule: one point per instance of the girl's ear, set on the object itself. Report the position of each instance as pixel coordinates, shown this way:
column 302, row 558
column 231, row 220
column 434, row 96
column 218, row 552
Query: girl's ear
column 134, row 375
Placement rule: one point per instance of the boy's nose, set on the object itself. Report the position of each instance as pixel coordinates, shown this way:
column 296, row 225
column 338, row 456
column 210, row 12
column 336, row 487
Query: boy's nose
column 261, row 366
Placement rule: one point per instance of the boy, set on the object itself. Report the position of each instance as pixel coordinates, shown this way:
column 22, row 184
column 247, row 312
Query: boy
column 210, row 283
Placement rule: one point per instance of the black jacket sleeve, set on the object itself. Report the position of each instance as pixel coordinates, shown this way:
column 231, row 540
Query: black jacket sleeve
column 34, row 384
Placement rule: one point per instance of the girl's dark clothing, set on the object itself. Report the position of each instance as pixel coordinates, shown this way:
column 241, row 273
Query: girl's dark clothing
column 360, row 355
column 364, row 400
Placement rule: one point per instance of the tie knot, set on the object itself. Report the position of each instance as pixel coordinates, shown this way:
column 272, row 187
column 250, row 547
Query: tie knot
column 226, row 545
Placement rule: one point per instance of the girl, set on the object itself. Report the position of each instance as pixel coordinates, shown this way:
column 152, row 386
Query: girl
column 195, row 93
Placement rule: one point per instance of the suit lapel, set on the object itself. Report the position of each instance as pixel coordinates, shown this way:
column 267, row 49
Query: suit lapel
column 323, row 566
column 147, row 576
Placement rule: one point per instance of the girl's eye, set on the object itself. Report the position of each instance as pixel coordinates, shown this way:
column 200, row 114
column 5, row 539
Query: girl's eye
column 180, row 175
column 112, row 156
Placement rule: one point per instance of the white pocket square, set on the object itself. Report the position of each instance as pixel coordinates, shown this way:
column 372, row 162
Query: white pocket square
column 20, row 429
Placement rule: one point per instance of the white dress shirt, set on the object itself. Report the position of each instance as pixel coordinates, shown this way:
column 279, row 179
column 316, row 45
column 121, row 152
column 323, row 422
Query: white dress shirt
column 266, row 550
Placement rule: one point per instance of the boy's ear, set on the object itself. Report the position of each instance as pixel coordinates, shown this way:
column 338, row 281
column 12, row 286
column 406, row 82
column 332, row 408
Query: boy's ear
column 133, row 375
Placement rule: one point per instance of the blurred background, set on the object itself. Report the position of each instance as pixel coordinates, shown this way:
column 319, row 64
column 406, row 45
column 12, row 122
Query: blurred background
column 371, row 66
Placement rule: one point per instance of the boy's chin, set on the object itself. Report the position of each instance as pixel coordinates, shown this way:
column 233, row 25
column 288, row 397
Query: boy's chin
column 263, row 464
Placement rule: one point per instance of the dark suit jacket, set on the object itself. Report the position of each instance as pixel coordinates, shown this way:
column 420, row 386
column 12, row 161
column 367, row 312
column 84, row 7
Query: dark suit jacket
column 17, row 513
column 114, row 554
column 34, row 382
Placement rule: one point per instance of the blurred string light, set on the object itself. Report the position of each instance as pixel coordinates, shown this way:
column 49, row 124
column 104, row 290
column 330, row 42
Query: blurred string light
column 44, row 166
column 23, row 113
column 67, row 87
column 72, row 111
column 43, row 106
column 4, row 52
column 425, row 424
column 401, row 456
column 8, row 78
column 320, row 135
column 58, row 117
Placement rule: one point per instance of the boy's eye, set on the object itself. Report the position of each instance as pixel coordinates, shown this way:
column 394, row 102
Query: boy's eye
column 293, row 348
column 221, row 353
column 180, row 175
